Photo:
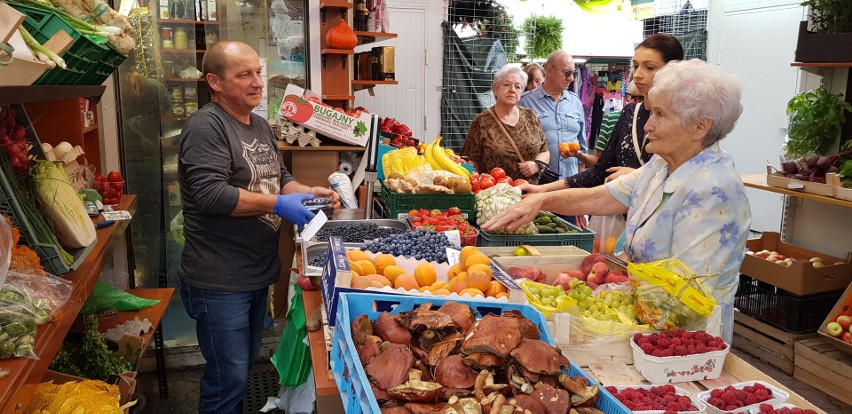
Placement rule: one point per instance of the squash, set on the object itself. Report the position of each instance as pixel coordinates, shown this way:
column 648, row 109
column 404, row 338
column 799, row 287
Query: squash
column 341, row 36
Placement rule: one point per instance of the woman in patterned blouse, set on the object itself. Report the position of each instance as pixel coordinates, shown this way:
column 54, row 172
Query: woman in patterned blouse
column 620, row 156
column 489, row 147
column 687, row 201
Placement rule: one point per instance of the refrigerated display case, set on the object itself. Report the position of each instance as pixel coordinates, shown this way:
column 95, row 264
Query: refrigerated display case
column 160, row 86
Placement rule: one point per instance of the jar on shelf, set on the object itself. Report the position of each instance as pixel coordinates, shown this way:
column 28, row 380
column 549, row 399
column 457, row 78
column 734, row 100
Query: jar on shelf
column 181, row 39
column 177, row 94
column 190, row 108
column 210, row 37
column 167, row 37
column 168, row 68
column 190, row 93
column 178, row 109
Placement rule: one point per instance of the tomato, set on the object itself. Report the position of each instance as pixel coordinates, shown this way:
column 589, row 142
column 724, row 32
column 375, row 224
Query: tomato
column 486, row 182
column 297, row 109
column 474, row 176
column 498, row 173
column 99, row 178
column 117, row 186
column 474, row 185
column 114, row 177
column 506, row 180
column 519, row 181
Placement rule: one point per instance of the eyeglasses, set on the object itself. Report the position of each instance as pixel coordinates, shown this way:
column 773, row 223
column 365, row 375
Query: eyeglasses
column 568, row 73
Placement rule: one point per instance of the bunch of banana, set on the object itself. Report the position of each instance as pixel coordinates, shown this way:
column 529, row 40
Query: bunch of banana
column 437, row 157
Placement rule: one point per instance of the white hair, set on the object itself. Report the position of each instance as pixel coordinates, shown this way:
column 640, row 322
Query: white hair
column 508, row 70
column 696, row 89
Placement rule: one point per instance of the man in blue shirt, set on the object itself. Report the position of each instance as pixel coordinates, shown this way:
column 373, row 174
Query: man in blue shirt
column 560, row 112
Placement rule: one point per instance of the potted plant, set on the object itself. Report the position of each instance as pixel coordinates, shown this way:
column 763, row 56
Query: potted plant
column 545, row 33
column 832, row 32
column 816, row 118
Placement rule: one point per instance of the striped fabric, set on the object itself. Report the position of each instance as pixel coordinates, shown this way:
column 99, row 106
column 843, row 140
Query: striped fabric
column 607, row 125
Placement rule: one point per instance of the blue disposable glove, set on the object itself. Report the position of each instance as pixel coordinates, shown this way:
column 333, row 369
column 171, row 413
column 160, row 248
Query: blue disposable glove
column 290, row 208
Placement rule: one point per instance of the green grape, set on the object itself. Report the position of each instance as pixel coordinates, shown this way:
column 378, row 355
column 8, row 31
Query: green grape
column 533, row 289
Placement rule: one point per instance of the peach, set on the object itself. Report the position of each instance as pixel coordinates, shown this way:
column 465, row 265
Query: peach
column 477, row 279
column 379, row 278
column 425, row 274
column 482, row 267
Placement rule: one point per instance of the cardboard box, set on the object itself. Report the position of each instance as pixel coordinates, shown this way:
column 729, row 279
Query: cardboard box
column 800, row 278
column 842, row 307
column 384, row 63
column 775, row 179
column 312, row 168
column 840, row 191
column 298, row 107
column 126, row 383
column 337, row 278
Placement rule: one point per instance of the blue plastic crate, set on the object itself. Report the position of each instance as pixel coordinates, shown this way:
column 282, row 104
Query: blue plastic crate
column 352, row 381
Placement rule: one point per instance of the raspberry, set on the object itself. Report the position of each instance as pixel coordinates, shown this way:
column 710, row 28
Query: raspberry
column 715, row 393
column 680, row 350
column 730, row 408
column 676, row 341
column 751, row 399
column 700, row 349
column 611, row 389
column 749, row 389
column 637, row 337
column 684, row 401
column 765, row 407
column 657, row 353
column 691, row 349
column 729, row 397
column 663, row 342
column 668, row 352
column 670, row 412
column 647, row 348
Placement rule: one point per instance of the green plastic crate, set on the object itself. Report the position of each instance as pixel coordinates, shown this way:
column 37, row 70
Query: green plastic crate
column 88, row 63
column 398, row 203
column 582, row 238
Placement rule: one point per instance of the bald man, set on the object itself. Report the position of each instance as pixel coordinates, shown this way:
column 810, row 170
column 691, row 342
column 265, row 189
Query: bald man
column 560, row 112
column 236, row 192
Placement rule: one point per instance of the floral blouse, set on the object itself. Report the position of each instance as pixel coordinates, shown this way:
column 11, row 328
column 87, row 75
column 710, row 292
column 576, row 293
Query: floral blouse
column 699, row 214
column 488, row 147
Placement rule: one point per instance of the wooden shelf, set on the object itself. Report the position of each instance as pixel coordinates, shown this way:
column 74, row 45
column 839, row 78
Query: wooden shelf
column 338, row 97
column 186, row 51
column 343, row 4
column 284, row 146
column 90, row 129
column 373, row 37
column 337, row 52
column 759, row 181
column 25, row 94
column 373, row 82
column 153, row 313
column 183, row 79
column 17, row 388
column 195, row 22
column 822, row 64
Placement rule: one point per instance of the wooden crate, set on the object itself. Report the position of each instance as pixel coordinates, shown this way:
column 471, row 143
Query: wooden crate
column 765, row 342
column 823, row 367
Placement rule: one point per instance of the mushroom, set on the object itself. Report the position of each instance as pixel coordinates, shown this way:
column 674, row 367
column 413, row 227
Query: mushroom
column 451, row 372
column 484, row 385
column 458, row 405
column 528, row 329
column 361, row 328
column 517, row 380
column 461, row 314
column 483, row 360
column 398, row 409
column 585, row 410
column 553, row 400
column 457, row 392
column 389, row 329
column 582, row 395
column 494, row 334
column 442, row 350
column 527, row 404
column 382, row 396
column 416, row 390
column 539, row 357
column 369, row 349
column 390, row 368
column 431, row 327
column 421, row 408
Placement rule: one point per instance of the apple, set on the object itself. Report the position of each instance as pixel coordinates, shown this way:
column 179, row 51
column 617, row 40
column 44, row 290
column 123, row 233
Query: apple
column 588, row 261
column 818, row 265
column 598, row 273
column 815, row 259
column 780, row 257
column 749, row 252
column 846, row 337
column 834, row 329
column 844, row 321
column 762, row 254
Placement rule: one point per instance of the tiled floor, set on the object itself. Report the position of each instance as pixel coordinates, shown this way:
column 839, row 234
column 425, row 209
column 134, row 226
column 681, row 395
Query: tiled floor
column 184, row 389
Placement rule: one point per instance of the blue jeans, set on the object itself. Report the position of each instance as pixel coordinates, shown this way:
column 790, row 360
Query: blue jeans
column 229, row 326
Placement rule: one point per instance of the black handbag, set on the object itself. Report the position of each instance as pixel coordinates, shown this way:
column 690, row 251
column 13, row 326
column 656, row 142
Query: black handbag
column 546, row 175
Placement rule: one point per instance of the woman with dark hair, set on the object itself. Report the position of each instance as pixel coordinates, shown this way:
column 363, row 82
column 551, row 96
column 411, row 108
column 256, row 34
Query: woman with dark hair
column 535, row 76
column 625, row 150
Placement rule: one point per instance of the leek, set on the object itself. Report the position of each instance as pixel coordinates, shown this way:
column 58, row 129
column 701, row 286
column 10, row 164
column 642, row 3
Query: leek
column 79, row 25
column 62, row 205
column 42, row 53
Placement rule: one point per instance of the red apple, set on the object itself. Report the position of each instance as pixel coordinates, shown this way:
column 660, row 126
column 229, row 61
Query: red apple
column 834, row 329
column 846, row 337
column 844, row 321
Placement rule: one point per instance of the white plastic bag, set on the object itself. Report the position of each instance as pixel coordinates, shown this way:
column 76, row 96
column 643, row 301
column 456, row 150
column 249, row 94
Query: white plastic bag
column 299, row 400
column 607, row 230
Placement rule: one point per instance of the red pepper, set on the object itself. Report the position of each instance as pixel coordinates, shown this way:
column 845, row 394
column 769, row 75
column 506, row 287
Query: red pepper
column 402, row 129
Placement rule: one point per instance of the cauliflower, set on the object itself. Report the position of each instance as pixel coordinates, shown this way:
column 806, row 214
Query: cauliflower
column 492, row 201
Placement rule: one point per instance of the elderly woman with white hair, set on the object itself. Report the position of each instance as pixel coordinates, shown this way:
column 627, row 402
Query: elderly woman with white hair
column 688, row 201
column 507, row 136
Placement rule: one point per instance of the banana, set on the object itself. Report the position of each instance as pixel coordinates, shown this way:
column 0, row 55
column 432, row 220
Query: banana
column 446, row 163
column 430, row 158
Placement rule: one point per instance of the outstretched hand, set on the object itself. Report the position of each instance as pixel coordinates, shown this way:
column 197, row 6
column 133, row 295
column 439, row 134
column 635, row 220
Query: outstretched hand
column 290, row 208
column 516, row 215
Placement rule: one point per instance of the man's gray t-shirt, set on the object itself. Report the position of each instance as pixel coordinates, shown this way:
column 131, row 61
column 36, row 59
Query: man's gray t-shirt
column 218, row 155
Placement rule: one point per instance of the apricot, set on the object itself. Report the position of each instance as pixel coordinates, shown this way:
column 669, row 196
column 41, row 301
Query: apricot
column 363, row 282
column 425, row 274
column 441, row 291
column 424, row 289
column 502, row 295
column 481, row 267
column 459, row 286
column 466, row 252
column 405, row 281
column 455, row 270
column 494, row 288
column 477, row 279
column 356, row 255
column 383, row 260
column 392, row 271
column 367, row 267
column 471, row 292
column 476, row 258
column 379, row 278
column 356, row 268
column 438, row 285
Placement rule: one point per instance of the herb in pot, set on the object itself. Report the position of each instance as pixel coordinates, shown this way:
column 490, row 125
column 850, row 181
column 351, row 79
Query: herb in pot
column 816, row 118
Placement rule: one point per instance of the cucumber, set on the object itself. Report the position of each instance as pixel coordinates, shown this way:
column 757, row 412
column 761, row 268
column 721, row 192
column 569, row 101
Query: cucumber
column 545, row 229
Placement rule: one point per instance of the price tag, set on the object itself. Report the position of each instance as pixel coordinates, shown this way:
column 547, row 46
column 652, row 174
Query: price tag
column 116, row 215
column 453, row 256
column 454, row 237
column 314, row 226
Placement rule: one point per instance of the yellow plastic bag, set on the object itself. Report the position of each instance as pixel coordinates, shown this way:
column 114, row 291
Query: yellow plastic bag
column 546, row 298
column 670, row 295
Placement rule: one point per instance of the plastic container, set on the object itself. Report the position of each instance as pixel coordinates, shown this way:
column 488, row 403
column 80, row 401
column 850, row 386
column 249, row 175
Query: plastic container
column 702, row 407
column 778, row 396
column 349, row 373
column 397, row 203
column 663, row 370
column 776, row 406
column 582, row 238
column 780, row 308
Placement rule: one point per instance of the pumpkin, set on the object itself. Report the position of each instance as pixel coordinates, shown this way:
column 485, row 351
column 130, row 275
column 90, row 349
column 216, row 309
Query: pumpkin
column 341, row 36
